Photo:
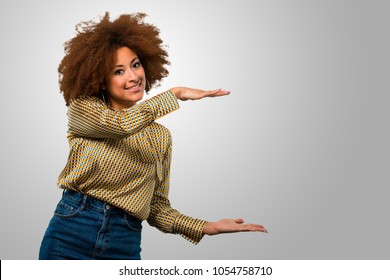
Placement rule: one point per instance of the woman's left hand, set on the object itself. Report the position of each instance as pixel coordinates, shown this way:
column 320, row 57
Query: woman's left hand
column 230, row 226
column 184, row 93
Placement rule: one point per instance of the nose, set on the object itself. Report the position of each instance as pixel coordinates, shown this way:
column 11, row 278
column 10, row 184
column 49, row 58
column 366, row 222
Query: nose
column 132, row 76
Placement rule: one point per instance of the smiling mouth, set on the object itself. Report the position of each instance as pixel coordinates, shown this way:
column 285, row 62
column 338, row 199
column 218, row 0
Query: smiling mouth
column 134, row 88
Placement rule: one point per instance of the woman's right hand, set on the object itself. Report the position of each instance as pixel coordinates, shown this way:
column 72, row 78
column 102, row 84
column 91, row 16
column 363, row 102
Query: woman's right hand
column 183, row 93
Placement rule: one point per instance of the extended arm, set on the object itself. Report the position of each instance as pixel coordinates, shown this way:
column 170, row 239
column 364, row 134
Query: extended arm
column 91, row 117
column 167, row 219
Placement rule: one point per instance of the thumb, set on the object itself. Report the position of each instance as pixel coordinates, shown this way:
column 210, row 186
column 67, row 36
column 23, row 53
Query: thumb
column 239, row 221
column 211, row 92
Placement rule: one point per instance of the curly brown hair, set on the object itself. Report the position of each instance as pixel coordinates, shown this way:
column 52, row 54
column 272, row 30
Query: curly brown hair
column 89, row 56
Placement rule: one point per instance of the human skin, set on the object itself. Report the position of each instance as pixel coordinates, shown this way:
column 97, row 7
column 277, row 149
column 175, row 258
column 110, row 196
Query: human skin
column 126, row 81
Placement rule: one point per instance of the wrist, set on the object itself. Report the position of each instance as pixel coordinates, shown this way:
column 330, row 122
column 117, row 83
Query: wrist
column 176, row 91
column 209, row 228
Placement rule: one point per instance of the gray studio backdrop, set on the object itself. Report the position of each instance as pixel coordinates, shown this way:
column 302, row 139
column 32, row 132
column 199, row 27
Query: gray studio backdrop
column 301, row 145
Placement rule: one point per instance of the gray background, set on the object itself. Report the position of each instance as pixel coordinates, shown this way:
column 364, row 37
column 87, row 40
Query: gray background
column 300, row 146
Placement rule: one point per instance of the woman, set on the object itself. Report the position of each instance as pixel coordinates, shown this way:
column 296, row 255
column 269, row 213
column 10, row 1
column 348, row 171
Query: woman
column 117, row 173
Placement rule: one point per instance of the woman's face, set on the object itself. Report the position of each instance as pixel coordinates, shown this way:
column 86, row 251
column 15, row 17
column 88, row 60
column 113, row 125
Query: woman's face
column 126, row 80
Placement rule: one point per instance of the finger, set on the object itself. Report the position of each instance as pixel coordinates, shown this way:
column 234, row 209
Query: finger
column 216, row 92
column 220, row 93
column 211, row 92
column 253, row 227
column 239, row 221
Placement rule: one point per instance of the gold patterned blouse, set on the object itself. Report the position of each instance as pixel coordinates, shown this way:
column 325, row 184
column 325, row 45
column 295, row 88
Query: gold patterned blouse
column 123, row 158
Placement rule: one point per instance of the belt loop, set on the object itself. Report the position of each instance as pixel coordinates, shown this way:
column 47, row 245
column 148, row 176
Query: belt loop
column 84, row 203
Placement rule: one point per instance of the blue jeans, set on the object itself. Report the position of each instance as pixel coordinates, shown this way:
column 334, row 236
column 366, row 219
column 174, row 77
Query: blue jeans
column 85, row 228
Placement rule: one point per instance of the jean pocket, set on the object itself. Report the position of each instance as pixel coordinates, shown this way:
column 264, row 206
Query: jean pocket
column 132, row 223
column 68, row 208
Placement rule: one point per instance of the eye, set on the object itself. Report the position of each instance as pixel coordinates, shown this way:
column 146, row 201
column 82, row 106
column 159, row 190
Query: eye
column 137, row 64
column 118, row 72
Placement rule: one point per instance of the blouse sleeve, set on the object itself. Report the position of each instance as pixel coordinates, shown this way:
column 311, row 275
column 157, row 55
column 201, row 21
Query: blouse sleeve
column 90, row 117
column 167, row 219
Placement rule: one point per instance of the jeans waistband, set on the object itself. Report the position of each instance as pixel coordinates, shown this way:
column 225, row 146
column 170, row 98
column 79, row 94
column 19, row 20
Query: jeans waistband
column 94, row 203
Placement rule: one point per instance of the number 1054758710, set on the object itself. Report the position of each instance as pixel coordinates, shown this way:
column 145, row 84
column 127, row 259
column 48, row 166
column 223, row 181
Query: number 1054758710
column 242, row 270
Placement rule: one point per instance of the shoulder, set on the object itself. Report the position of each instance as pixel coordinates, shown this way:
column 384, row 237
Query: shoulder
column 86, row 104
column 86, row 100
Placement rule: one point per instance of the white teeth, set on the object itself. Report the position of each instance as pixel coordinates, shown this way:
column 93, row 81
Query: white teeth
column 133, row 87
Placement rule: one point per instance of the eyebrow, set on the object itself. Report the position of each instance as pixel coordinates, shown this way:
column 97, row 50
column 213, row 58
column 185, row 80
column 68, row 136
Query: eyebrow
column 120, row 65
